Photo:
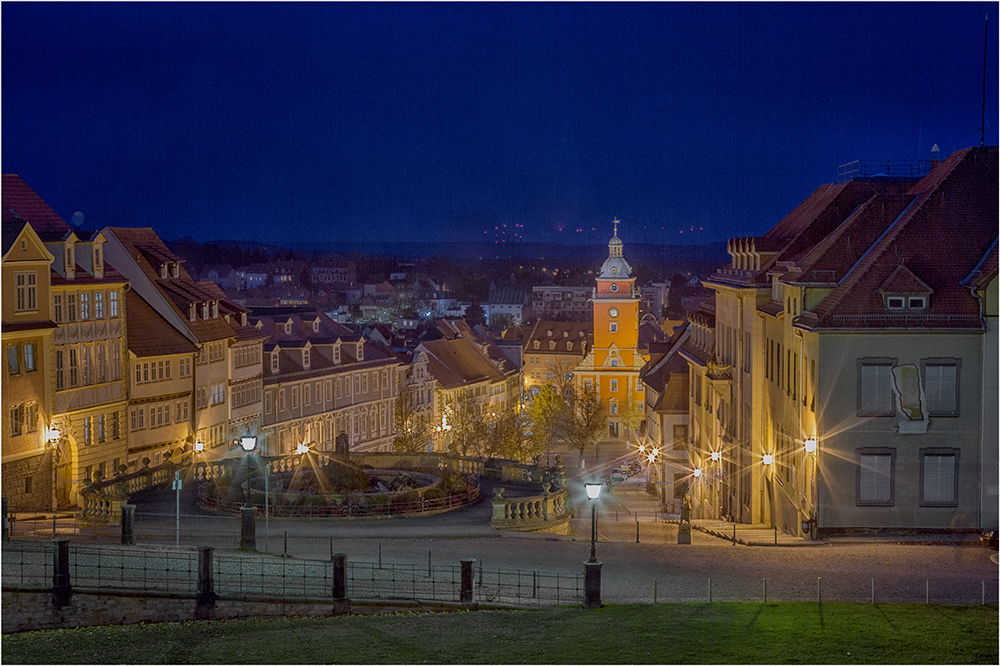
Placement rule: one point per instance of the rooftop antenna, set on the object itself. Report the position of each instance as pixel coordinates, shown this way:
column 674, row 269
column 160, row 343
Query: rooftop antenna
column 982, row 127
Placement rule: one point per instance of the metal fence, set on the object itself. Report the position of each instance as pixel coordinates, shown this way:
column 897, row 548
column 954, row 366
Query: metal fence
column 138, row 570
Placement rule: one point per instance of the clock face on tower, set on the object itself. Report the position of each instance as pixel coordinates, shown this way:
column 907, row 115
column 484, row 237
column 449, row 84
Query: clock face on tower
column 614, row 287
column 613, row 312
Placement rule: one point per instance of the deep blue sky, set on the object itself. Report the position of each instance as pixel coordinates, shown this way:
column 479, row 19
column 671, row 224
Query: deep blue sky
column 442, row 121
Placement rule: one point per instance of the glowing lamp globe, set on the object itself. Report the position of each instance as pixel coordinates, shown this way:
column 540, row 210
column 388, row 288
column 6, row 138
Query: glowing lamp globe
column 593, row 490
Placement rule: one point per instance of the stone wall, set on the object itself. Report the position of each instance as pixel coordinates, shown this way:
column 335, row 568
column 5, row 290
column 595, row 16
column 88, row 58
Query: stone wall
column 38, row 469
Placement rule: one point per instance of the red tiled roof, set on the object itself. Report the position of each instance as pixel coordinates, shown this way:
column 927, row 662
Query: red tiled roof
column 22, row 202
column 903, row 281
column 149, row 334
column 940, row 237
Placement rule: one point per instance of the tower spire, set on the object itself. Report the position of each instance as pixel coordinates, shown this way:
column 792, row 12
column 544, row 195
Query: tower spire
column 616, row 221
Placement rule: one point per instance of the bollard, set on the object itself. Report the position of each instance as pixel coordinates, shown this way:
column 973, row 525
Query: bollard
column 54, row 514
column 331, row 546
column 775, row 535
column 466, row 593
column 592, row 585
column 637, row 529
column 61, row 589
column 341, row 604
column 734, row 534
column 6, row 525
column 285, row 554
column 205, row 598
column 380, row 554
column 128, row 524
column 248, row 528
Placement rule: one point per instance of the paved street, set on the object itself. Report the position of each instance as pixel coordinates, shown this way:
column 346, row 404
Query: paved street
column 633, row 572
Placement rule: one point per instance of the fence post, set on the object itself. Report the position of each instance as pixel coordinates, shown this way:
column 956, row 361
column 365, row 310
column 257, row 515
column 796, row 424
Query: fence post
column 592, row 585
column 341, row 604
column 466, row 595
column 61, row 589
column 205, row 598
column 6, row 525
column 128, row 524
column 248, row 528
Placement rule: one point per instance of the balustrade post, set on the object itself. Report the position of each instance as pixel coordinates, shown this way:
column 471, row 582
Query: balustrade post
column 499, row 505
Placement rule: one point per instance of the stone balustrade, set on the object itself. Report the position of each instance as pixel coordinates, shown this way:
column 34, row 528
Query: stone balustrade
column 547, row 512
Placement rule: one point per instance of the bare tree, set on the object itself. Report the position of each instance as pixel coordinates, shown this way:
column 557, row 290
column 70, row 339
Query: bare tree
column 587, row 421
column 412, row 428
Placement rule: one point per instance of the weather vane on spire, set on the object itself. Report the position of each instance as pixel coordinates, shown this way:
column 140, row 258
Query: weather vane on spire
column 615, row 222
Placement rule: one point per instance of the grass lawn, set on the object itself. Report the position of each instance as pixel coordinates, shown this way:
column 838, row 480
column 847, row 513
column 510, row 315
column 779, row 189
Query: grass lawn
column 735, row 633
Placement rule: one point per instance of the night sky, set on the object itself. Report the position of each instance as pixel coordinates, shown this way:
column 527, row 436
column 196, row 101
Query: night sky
column 689, row 122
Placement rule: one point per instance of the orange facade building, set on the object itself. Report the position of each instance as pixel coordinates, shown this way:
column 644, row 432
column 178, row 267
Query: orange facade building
column 612, row 366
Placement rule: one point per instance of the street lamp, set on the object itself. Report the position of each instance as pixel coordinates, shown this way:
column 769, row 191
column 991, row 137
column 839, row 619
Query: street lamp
column 810, row 445
column 716, row 456
column 697, row 472
column 593, row 492
column 768, row 459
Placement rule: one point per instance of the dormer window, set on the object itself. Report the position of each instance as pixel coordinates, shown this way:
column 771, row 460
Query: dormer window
column 98, row 262
column 204, row 310
column 552, row 345
column 336, row 354
column 274, row 362
column 361, row 351
column 215, row 309
column 192, row 311
column 316, row 325
column 569, row 346
column 70, row 263
column 549, row 333
column 163, row 271
column 916, row 303
column 565, row 334
column 306, row 360
column 895, row 302
column 288, row 327
column 175, row 269
column 537, row 344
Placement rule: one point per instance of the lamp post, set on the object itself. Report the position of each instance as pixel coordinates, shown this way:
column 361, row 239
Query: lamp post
column 592, row 568
column 593, row 492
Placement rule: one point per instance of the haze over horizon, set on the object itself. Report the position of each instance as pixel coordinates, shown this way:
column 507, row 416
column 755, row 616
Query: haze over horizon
column 437, row 122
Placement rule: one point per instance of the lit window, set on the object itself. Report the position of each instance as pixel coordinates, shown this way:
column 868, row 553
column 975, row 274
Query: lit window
column 26, row 292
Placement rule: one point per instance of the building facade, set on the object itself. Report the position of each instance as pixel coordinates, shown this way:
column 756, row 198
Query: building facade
column 842, row 366
column 611, row 367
